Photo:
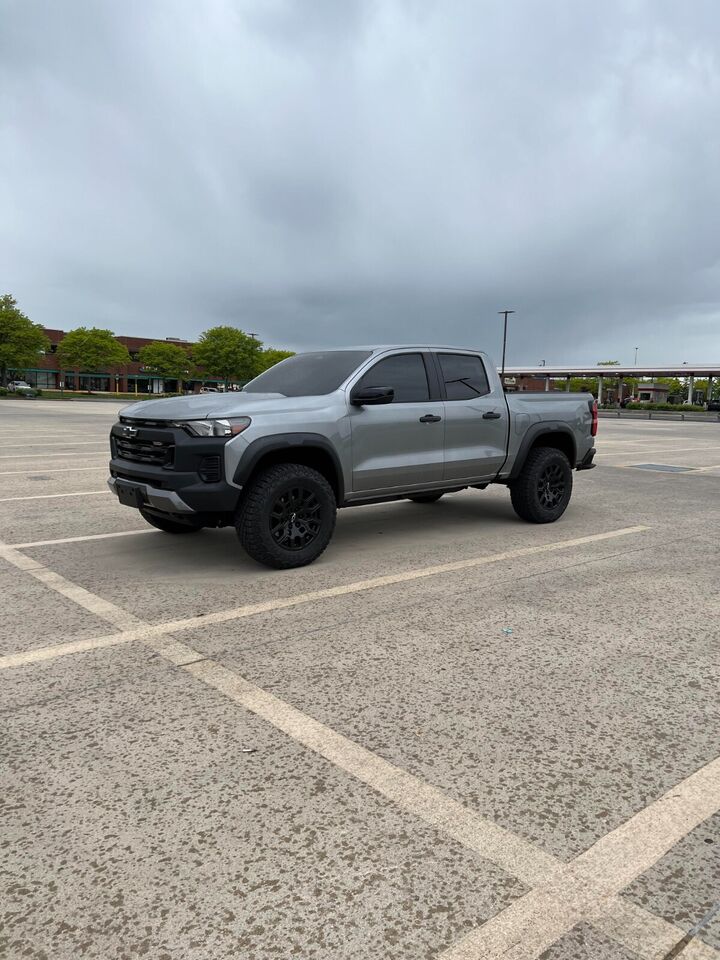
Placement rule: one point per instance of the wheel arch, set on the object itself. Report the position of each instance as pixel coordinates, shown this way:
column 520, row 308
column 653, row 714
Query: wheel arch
column 310, row 449
column 556, row 435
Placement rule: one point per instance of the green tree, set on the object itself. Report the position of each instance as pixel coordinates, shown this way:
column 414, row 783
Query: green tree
column 676, row 387
column 21, row 340
column 228, row 353
column 608, row 363
column 91, row 349
column 166, row 360
column 269, row 357
column 583, row 384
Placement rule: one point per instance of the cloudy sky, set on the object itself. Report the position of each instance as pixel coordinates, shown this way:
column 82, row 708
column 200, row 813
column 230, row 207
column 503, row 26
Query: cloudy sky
column 326, row 172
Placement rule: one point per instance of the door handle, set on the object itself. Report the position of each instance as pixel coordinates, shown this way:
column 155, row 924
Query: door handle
column 430, row 418
column 491, row 415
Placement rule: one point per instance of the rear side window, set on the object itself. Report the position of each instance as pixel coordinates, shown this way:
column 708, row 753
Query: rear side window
column 464, row 376
column 405, row 373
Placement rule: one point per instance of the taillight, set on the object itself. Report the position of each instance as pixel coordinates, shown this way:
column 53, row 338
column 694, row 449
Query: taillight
column 594, row 411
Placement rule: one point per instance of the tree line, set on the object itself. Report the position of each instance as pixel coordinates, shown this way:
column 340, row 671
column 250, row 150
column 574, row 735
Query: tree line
column 224, row 352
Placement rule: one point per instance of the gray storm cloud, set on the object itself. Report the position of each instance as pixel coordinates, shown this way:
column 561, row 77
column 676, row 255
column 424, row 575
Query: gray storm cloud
column 330, row 173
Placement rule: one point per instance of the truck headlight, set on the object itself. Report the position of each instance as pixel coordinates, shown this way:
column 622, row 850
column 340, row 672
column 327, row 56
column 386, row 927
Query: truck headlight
column 227, row 427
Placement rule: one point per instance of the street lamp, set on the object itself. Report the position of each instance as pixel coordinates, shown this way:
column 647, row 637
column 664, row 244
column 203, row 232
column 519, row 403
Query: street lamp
column 504, row 313
column 636, row 350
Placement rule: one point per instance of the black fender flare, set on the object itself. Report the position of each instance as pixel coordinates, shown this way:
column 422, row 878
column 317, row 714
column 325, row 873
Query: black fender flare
column 533, row 433
column 287, row 441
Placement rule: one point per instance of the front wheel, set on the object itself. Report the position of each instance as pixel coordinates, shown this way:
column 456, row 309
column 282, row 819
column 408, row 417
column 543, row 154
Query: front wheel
column 542, row 491
column 287, row 516
column 168, row 525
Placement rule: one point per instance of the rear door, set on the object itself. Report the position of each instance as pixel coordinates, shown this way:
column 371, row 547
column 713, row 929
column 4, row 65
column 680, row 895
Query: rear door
column 476, row 418
column 400, row 444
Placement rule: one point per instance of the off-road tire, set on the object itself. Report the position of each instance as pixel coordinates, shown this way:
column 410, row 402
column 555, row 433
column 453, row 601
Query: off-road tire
column 167, row 525
column 425, row 497
column 542, row 491
column 277, row 542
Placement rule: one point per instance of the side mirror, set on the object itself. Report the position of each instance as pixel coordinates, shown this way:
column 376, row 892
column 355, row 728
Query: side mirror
column 371, row 396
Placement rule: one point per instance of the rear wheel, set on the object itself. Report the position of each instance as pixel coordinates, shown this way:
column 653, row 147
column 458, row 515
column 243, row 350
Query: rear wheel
column 287, row 516
column 168, row 525
column 542, row 491
column 425, row 498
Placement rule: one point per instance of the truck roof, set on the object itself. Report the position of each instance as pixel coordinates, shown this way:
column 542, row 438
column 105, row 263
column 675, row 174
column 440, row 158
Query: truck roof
column 377, row 348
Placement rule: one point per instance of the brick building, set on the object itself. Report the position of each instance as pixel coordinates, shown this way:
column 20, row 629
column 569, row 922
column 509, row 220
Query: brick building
column 531, row 383
column 131, row 378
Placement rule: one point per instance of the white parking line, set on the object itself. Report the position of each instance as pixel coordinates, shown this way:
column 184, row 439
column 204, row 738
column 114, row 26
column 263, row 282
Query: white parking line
column 35, row 456
column 513, row 853
column 53, row 496
column 102, row 465
column 103, row 609
column 23, row 434
column 146, row 633
column 642, row 932
column 62, row 443
column 663, row 451
column 92, row 536
column 531, row 924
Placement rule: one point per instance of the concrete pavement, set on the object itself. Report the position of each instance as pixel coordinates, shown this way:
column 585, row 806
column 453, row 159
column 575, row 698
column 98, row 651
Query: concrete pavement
column 380, row 771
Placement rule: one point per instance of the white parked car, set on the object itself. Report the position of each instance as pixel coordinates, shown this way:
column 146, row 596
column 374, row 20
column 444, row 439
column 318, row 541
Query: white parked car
column 18, row 385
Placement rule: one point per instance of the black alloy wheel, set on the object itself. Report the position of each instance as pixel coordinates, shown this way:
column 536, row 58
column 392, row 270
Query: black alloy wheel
column 295, row 518
column 286, row 516
column 551, row 486
column 542, row 491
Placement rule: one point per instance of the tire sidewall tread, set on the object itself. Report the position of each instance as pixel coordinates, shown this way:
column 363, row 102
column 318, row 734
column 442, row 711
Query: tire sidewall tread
column 252, row 518
column 523, row 491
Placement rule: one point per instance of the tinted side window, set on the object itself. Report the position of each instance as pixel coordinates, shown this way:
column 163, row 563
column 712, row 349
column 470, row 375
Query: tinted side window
column 464, row 376
column 405, row 373
column 308, row 374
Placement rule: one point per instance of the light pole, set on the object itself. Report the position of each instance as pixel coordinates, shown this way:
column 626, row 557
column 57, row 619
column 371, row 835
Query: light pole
column 636, row 350
column 504, row 313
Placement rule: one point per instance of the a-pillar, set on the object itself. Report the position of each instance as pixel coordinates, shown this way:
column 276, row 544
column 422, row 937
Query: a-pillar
column 567, row 384
column 600, row 386
column 691, row 387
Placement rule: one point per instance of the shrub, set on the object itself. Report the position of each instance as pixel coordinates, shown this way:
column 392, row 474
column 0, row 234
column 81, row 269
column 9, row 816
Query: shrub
column 675, row 407
column 3, row 391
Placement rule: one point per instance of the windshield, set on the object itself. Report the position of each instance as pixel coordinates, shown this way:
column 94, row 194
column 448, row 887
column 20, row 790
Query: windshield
column 308, row 374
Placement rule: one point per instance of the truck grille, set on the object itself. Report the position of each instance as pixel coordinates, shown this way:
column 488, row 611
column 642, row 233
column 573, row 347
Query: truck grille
column 160, row 453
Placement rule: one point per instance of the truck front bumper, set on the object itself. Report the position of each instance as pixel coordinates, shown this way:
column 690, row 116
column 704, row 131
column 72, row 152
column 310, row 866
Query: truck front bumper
column 163, row 469
column 134, row 494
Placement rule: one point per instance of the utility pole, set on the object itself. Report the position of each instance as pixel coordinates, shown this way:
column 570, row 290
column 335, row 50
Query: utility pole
column 636, row 350
column 504, row 313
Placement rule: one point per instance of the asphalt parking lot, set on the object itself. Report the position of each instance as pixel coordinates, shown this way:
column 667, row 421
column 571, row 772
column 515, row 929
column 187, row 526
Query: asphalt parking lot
column 455, row 736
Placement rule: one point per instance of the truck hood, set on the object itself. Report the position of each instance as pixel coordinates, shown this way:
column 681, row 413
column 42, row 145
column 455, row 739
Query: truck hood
column 213, row 405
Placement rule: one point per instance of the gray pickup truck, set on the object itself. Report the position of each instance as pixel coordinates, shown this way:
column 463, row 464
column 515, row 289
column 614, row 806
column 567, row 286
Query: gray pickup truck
column 342, row 428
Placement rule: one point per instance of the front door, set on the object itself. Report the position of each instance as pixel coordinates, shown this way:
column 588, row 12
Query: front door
column 398, row 445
